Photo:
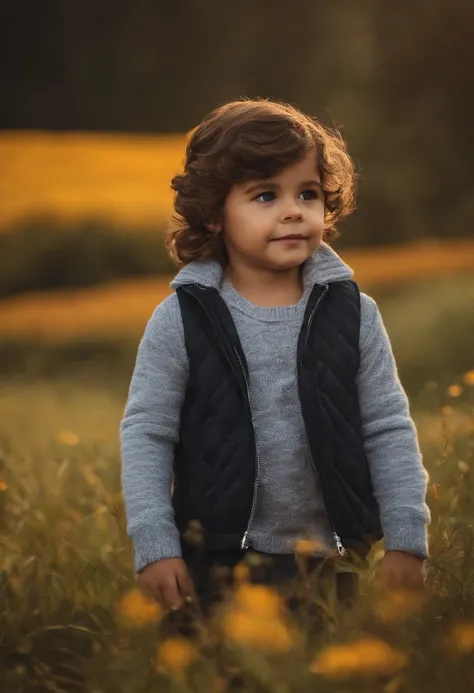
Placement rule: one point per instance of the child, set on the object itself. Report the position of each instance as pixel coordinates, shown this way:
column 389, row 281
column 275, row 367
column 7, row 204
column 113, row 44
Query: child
column 265, row 407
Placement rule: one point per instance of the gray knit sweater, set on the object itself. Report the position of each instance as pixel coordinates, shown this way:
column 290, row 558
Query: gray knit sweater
column 289, row 503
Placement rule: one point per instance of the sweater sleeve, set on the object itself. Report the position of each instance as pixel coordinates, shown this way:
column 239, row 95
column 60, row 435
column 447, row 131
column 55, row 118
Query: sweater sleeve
column 149, row 431
column 399, row 477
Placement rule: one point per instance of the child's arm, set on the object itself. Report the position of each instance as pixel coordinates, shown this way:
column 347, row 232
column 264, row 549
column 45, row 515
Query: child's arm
column 149, row 431
column 391, row 443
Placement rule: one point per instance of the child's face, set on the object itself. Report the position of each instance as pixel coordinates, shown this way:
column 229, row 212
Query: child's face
column 258, row 214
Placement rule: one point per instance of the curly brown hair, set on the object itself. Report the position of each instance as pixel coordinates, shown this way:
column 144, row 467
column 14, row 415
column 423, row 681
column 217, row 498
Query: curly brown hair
column 251, row 139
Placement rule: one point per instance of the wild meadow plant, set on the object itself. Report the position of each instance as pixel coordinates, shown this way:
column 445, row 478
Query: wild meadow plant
column 73, row 619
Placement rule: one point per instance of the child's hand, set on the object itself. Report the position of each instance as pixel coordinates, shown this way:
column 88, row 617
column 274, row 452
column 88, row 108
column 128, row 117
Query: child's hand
column 401, row 570
column 168, row 582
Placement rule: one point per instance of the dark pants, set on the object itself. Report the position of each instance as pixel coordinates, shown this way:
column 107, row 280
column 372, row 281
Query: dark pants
column 304, row 583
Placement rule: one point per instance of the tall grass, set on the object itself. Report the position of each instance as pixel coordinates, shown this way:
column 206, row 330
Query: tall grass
column 72, row 619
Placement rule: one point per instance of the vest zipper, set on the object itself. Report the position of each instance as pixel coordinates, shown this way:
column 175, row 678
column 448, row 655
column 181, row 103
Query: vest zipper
column 244, row 543
column 340, row 548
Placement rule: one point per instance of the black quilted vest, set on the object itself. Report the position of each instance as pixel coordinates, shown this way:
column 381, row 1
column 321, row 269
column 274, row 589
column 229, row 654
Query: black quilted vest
column 216, row 459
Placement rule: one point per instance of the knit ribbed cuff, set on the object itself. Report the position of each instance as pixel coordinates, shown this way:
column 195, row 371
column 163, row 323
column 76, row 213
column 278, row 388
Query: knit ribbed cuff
column 152, row 544
column 408, row 534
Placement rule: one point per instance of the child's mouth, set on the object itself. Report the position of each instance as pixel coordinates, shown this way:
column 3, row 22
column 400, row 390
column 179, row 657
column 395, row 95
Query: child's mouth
column 296, row 238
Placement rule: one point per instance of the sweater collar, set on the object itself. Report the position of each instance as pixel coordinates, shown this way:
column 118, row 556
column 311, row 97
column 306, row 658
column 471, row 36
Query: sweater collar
column 322, row 267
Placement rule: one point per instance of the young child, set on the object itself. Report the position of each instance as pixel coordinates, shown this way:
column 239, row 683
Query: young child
column 265, row 407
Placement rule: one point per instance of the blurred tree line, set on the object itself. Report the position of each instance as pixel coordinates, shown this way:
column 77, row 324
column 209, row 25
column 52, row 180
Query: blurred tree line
column 396, row 77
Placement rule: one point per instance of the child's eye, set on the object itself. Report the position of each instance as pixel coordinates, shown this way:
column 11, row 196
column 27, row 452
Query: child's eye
column 268, row 192
column 311, row 192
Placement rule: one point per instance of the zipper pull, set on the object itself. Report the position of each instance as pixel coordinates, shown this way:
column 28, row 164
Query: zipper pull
column 243, row 543
column 340, row 547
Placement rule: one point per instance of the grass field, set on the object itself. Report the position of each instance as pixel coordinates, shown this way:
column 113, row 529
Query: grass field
column 72, row 620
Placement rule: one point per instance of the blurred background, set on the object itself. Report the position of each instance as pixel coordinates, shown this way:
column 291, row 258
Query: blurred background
column 97, row 98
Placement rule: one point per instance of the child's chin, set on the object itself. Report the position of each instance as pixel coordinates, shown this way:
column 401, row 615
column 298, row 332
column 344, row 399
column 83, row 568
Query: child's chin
column 293, row 260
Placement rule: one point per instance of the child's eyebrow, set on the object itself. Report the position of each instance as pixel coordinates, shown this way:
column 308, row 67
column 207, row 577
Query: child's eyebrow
column 275, row 186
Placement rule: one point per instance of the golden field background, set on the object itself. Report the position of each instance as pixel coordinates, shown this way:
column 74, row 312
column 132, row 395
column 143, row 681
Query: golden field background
column 125, row 306
column 72, row 618
column 125, row 179
column 122, row 178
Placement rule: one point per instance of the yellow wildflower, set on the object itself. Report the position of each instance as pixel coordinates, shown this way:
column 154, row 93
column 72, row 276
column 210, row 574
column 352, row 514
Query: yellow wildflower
column 469, row 378
column 461, row 637
column 455, row 390
column 67, row 438
column 367, row 656
column 174, row 655
column 397, row 604
column 265, row 634
column 259, row 600
column 255, row 618
column 135, row 609
column 3, row 485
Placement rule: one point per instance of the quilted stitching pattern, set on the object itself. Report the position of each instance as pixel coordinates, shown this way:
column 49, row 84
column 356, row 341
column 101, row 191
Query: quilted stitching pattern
column 216, row 456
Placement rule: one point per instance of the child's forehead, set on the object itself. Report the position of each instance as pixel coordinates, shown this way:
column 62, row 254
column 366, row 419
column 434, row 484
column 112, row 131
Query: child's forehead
column 304, row 168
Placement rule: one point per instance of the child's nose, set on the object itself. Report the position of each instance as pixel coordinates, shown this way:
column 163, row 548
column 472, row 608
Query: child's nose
column 292, row 210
